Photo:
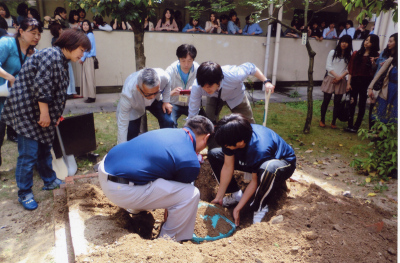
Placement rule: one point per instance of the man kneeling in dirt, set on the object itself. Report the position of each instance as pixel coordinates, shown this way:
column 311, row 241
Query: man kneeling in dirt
column 155, row 170
column 249, row 148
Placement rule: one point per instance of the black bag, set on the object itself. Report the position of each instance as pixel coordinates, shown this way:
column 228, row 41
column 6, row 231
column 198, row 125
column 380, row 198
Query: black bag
column 344, row 108
column 96, row 63
column 379, row 82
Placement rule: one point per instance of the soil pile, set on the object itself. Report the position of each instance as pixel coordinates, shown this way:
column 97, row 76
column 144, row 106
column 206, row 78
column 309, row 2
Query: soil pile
column 316, row 227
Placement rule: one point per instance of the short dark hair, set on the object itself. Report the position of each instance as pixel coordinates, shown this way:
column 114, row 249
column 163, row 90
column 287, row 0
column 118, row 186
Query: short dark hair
column 81, row 10
column 55, row 29
column 59, row 10
column 22, row 9
column 232, row 129
column 200, row 125
column 350, row 23
column 185, row 49
column 72, row 39
column 90, row 26
column 223, row 17
column 193, row 19
column 29, row 22
column 364, row 22
column 209, row 73
column 232, row 13
column 35, row 14
column 5, row 9
column 73, row 13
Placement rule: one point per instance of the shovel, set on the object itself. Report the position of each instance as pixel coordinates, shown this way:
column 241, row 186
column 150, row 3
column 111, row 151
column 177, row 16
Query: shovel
column 267, row 96
column 68, row 159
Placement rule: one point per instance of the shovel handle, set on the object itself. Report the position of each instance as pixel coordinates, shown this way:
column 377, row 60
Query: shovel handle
column 267, row 96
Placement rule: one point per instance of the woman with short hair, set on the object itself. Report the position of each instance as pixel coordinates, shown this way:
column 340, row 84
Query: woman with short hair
column 13, row 54
column 34, row 108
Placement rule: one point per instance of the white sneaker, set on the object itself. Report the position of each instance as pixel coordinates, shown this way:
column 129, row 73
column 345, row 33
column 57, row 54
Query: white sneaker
column 232, row 199
column 259, row 215
column 133, row 211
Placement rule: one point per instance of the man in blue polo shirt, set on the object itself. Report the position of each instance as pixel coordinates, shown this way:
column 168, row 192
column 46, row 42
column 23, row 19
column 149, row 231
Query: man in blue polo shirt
column 155, row 170
column 250, row 148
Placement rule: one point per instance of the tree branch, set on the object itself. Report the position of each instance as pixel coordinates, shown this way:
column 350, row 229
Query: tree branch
column 335, row 3
column 282, row 23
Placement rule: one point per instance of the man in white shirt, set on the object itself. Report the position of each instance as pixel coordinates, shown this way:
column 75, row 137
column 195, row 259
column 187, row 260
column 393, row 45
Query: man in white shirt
column 224, row 85
column 148, row 89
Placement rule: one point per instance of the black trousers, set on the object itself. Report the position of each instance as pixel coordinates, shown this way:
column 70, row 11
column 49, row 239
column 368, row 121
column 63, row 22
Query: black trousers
column 324, row 107
column 358, row 93
column 270, row 176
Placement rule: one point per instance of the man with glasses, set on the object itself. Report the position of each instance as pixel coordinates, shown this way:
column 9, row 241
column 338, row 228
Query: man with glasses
column 148, row 89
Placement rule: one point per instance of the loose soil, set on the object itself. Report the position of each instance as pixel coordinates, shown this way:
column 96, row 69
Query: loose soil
column 319, row 223
column 317, row 227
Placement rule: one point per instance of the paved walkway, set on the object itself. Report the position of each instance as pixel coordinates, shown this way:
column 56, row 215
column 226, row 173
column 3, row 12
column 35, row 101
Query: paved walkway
column 108, row 102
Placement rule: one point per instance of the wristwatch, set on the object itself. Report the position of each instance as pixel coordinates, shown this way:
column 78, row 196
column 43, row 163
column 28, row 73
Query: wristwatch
column 268, row 80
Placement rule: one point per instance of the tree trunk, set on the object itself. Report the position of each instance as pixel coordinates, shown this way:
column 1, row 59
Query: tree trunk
column 140, row 59
column 311, row 55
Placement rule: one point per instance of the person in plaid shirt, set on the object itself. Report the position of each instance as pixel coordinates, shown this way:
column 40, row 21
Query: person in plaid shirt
column 34, row 107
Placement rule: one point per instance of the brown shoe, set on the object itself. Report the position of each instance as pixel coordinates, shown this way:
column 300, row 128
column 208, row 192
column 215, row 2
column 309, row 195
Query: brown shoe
column 321, row 124
column 333, row 126
column 76, row 96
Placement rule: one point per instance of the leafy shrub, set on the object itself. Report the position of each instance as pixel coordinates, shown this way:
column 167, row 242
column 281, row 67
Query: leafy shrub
column 381, row 151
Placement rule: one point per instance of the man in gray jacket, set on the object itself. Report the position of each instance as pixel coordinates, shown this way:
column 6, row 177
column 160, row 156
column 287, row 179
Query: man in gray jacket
column 148, row 89
column 182, row 73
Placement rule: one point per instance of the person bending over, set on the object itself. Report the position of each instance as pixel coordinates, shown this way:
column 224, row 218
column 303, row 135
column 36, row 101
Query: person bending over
column 224, row 85
column 159, row 175
column 142, row 91
column 249, row 148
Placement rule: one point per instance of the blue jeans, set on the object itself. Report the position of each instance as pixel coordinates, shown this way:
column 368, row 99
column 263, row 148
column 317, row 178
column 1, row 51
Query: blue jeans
column 32, row 153
column 178, row 111
column 164, row 119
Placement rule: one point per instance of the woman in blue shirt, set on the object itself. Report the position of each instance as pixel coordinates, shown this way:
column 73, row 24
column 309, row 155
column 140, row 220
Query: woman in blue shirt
column 193, row 26
column 13, row 53
column 88, row 81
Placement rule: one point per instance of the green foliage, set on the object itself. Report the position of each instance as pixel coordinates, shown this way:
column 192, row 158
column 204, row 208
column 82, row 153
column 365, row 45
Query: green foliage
column 294, row 94
column 381, row 151
column 197, row 7
column 369, row 7
column 127, row 10
column 380, row 188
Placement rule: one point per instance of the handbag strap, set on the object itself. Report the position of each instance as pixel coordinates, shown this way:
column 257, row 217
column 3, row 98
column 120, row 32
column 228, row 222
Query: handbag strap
column 20, row 52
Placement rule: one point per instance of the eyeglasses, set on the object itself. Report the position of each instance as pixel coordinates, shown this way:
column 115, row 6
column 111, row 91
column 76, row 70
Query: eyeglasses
column 146, row 95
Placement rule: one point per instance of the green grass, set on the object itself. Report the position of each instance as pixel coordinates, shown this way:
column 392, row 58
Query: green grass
column 287, row 119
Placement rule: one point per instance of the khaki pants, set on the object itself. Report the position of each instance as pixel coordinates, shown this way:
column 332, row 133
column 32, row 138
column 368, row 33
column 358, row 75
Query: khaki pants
column 243, row 108
column 180, row 199
column 88, row 81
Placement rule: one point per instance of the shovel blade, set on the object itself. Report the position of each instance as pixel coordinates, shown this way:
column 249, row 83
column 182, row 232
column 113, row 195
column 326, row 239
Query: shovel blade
column 71, row 164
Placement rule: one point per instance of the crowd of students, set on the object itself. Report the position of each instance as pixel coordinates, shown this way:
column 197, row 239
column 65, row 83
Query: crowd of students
column 362, row 74
column 321, row 31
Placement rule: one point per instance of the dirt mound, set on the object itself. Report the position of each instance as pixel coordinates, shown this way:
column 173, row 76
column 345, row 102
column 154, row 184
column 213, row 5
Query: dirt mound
column 316, row 227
